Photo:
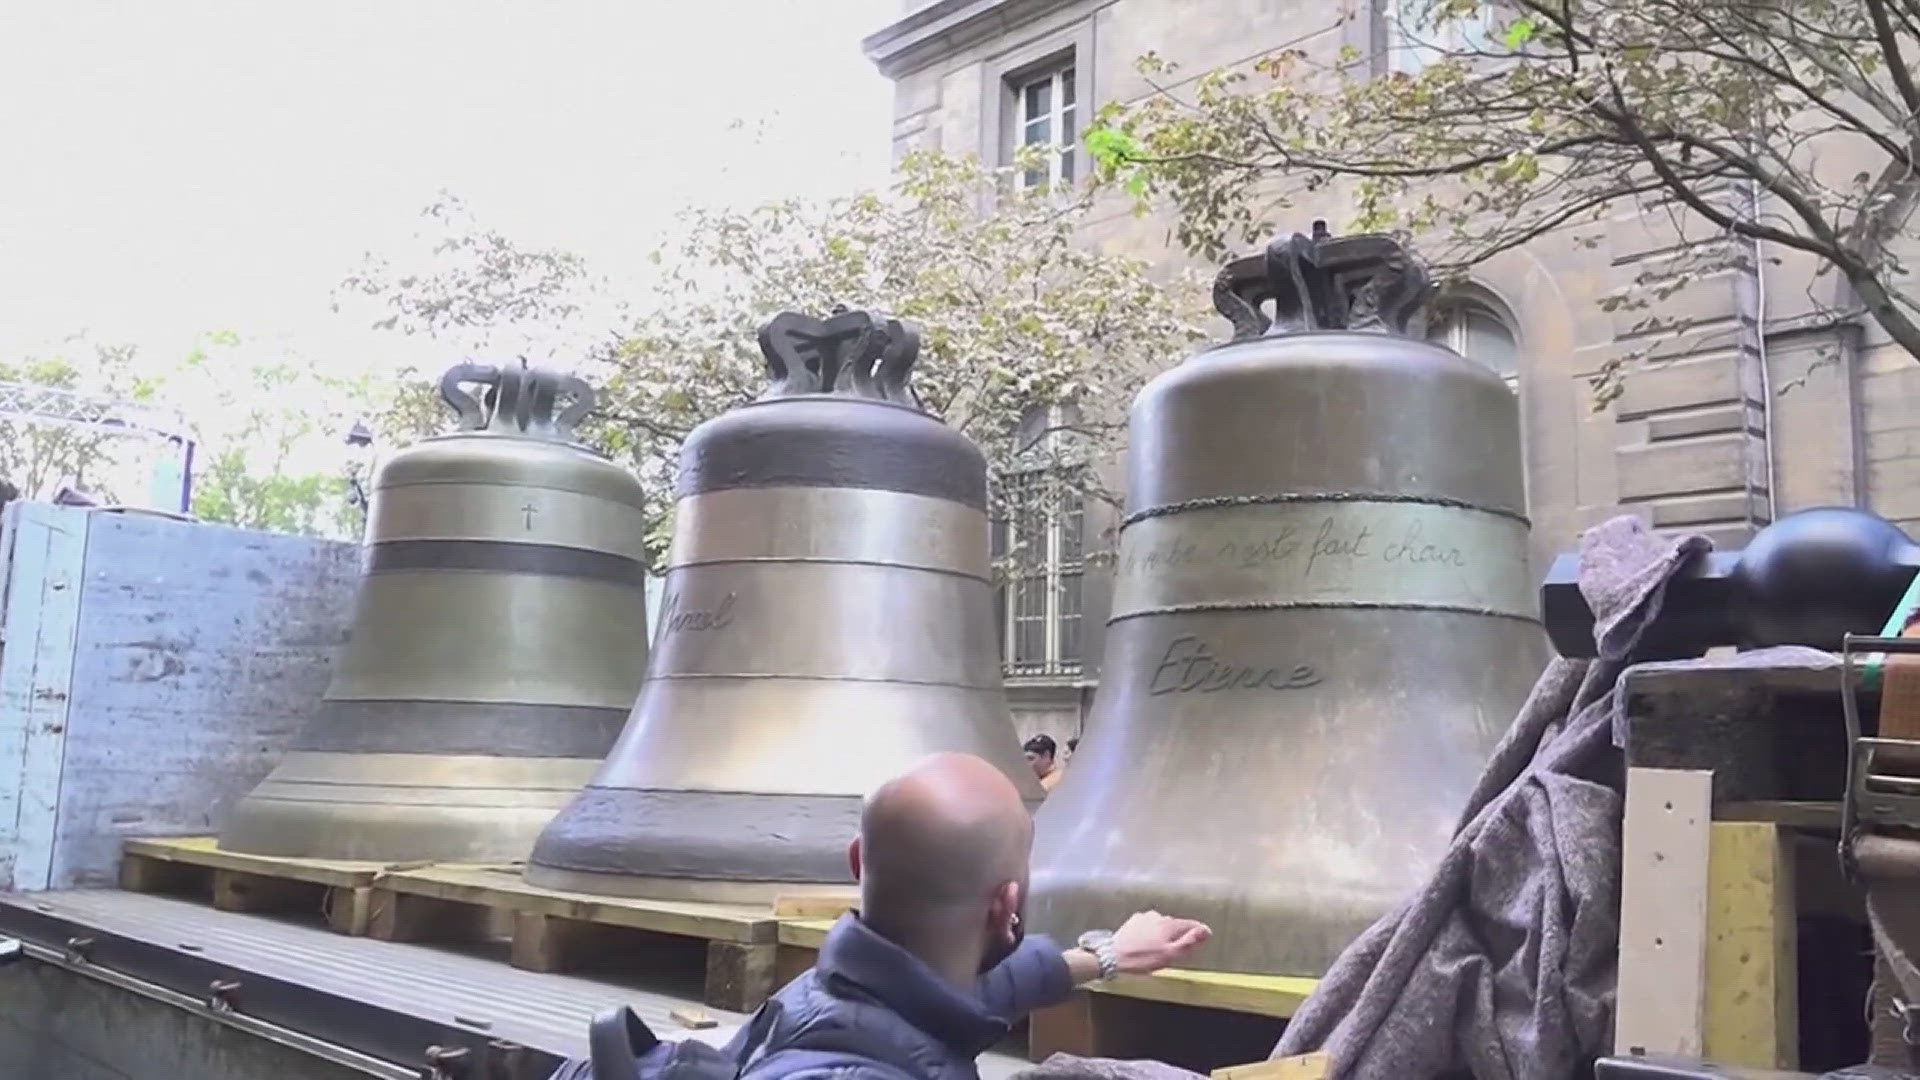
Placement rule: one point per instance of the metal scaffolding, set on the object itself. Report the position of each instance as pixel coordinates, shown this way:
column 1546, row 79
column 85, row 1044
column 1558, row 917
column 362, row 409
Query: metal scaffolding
column 62, row 407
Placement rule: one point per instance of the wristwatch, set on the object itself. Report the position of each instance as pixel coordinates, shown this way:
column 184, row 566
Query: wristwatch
column 1100, row 944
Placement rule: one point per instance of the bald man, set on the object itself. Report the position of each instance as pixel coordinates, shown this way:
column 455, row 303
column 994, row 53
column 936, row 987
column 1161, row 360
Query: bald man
column 935, row 965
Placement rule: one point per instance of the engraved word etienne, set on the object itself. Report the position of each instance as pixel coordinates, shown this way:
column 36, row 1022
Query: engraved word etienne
column 1332, row 541
column 697, row 620
column 1189, row 665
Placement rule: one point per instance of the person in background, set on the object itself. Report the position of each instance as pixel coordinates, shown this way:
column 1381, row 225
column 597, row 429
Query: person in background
column 936, row 964
column 1041, row 754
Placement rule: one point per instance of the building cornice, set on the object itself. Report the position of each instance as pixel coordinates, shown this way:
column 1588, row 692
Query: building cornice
column 939, row 29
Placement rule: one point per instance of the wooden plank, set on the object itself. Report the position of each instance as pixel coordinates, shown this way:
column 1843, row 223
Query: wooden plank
column 44, row 578
column 541, row 942
column 1071, row 1027
column 1752, row 1003
column 143, row 875
column 1799, row 814
column 1262, row 995
column 1315, row 1066
column 790, row 962
column 402, row 917
column 739, row 974
column 1733, row 679
column 803, row 933
column 234, row 890
column 1755, row 728
column 349, row 909
column 1666, row 847
column 692, row 1019
column 814, row 905
column 503, row 887
column 205, row 851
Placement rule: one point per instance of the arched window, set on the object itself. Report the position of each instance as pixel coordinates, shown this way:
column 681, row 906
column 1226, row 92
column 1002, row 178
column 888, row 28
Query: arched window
column 1473, row 330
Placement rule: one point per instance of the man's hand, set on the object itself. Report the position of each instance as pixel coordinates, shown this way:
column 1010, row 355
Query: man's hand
column 1149, row 941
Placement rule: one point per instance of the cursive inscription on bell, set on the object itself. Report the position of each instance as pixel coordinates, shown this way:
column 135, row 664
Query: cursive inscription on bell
column 1333, row 543
column 1328, row 544
column 1189, row 666
column 1304, row 555
column 697, row 620
column 1414, row 549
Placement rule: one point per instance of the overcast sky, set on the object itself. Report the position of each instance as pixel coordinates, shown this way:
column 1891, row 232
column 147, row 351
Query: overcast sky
column 172, row 167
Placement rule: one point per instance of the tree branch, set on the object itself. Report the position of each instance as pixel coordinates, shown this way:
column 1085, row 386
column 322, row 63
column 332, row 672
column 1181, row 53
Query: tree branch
column 1896, row 63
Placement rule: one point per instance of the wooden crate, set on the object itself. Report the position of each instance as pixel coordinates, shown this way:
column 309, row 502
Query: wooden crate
column 1131, row 1016
column 733, row 946
column 339, row 891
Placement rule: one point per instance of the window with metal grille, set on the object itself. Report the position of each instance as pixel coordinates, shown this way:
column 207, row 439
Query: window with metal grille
column 1038, row 546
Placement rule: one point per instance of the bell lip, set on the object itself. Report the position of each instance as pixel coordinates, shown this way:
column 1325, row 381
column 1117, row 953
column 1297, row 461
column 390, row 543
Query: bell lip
column 679, row 889
column 382, row 832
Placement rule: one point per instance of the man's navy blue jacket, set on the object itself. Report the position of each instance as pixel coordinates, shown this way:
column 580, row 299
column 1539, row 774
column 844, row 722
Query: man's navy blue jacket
column 870, row 1010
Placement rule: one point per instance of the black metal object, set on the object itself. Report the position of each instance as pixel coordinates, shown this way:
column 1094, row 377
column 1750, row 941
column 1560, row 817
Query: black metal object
column 1810, row 578
column 817, row 424
column 1323, row 282
column 441, row 1050
column 851, row 353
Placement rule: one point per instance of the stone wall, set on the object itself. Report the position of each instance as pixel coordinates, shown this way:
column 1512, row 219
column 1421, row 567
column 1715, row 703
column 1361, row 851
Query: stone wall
column 1743, row 403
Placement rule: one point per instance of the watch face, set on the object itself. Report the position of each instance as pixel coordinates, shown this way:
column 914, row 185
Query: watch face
column 1093, row 939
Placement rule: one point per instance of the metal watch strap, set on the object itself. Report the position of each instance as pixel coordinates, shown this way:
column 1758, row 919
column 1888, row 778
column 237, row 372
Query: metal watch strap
column 1100, row 944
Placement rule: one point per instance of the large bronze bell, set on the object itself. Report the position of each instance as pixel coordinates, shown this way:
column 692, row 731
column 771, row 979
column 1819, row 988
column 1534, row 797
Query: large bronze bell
column 498, row 639
column 1322, row 621
column 827, row 621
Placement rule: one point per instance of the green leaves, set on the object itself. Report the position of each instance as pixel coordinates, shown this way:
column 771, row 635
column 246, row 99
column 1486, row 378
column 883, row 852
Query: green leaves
column 1015, row 312
column 1514, row 121
column 1111, row 147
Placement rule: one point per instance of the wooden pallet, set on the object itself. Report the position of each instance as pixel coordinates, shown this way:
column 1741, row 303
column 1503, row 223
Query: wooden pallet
column 1133, row 1015
column 728, row 949
column 733, row 947
column 338, row 891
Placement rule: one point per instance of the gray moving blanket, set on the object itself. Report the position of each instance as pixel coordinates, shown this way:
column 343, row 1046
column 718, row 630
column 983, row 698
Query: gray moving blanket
column 1502, row 966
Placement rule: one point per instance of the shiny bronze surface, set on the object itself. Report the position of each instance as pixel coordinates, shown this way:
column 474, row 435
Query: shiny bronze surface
column 827, row 621
column 1322, row 622
column 499, row 638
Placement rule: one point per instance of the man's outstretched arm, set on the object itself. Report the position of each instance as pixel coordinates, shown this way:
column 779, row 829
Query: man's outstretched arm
column 1039, row 973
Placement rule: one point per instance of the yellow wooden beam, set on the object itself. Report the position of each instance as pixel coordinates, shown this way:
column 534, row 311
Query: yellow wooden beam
column 1313, row 1066
column 1262, row 995
column 1751, row 1017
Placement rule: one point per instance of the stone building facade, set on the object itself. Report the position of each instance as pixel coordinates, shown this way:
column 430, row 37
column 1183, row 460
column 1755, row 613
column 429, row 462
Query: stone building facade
column 1756, row 402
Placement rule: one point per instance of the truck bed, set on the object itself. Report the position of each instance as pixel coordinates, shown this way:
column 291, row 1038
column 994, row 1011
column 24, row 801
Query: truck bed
column 372, row 1004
